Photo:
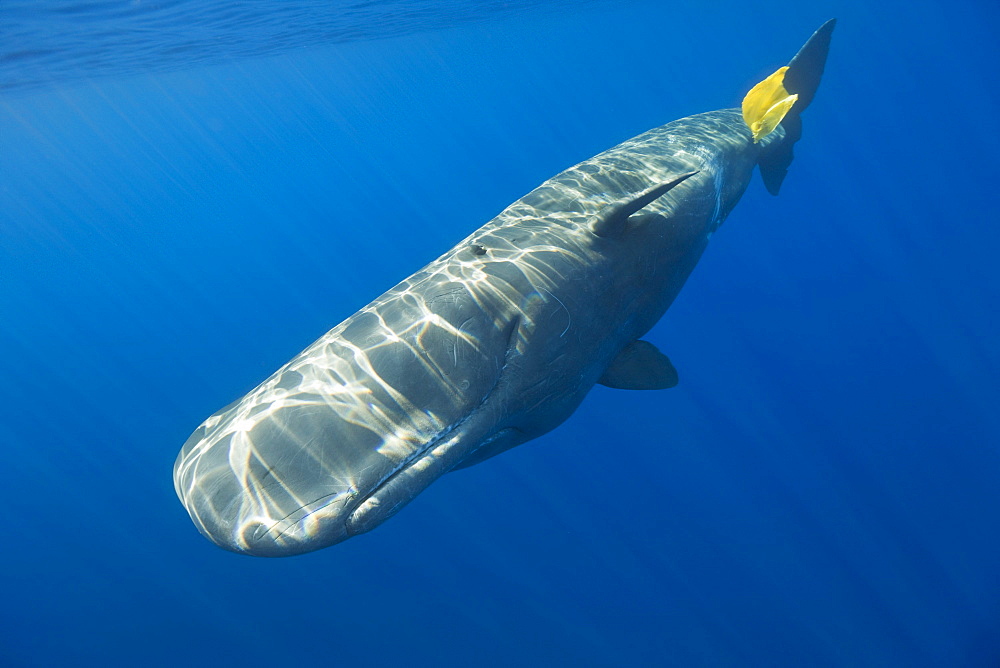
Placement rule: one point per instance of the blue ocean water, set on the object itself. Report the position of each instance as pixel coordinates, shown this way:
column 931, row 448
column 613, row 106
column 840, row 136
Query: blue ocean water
column 190, row 193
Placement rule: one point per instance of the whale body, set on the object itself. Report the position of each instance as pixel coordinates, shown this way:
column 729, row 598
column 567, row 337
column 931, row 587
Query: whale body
column 494, row 343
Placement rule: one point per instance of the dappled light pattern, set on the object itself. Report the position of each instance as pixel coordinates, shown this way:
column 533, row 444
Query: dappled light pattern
column 490, row 345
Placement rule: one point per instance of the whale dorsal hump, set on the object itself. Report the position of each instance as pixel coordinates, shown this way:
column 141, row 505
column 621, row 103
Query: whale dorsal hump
column 640, row 366
column 612, row 220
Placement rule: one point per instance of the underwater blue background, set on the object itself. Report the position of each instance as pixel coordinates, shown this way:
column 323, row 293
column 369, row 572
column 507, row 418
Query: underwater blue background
column 190, row 193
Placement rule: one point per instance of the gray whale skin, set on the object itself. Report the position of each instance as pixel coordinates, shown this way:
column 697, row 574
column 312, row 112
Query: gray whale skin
column 491, row 345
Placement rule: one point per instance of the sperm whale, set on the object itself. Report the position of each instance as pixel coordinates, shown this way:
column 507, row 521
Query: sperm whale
column 494, row 343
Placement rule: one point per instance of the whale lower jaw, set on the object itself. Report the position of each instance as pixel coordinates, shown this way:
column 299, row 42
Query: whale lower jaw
column 336, row 517
column 403, row 485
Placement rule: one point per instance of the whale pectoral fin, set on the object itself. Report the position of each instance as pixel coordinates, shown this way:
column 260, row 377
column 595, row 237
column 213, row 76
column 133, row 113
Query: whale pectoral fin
column 612, row 221
column 640, row 366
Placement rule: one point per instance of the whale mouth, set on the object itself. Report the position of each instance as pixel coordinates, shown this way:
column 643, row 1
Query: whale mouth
column 407, row 481
column 332, row 518
column 441, row 454
column 404, row 484
column 335, row 517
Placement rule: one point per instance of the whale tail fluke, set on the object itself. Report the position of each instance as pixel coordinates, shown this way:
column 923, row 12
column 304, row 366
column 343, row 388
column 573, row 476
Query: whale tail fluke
column 806, row 68
column 781, row 98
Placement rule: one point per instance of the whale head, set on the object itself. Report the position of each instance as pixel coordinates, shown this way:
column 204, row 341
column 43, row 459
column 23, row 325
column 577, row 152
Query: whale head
column 297, row 477
column 258, row 484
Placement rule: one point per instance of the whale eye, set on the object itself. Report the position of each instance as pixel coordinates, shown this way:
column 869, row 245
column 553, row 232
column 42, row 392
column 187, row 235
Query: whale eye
column 478, row 250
